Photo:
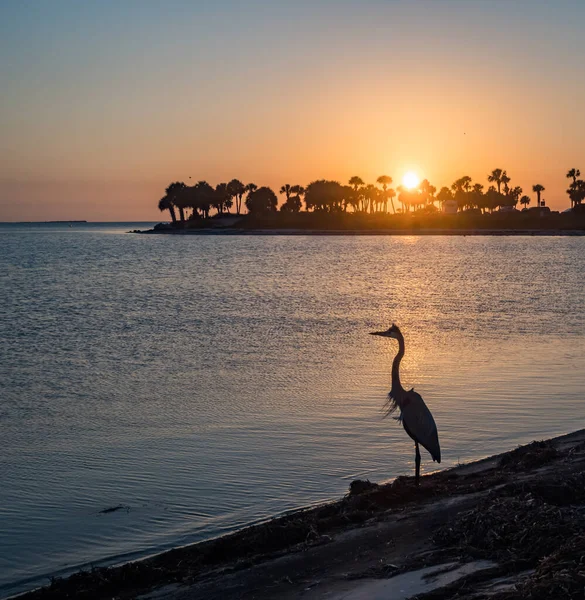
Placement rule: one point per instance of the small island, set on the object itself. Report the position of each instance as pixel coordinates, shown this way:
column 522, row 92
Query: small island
column 330, row 207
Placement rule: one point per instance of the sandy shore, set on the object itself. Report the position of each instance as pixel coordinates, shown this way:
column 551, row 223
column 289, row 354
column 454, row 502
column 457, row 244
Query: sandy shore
column 508, row 527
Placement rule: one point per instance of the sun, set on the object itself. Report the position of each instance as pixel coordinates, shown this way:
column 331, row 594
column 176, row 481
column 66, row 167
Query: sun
column 410, row 180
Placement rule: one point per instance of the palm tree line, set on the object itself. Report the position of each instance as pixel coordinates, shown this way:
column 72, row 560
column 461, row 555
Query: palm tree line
column 198, row 201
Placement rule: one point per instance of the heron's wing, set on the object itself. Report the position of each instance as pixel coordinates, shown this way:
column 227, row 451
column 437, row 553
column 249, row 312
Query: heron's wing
column 420, row 425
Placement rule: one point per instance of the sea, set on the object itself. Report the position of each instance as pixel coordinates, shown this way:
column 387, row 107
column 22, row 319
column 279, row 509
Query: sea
column 158, row 390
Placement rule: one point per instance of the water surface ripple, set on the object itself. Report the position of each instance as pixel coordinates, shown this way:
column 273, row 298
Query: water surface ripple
column 207, row 382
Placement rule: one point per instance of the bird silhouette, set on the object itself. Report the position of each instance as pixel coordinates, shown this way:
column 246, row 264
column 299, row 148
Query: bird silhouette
column 415, row 417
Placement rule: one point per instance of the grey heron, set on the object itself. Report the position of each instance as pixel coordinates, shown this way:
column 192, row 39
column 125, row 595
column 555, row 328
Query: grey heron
column 415, row 417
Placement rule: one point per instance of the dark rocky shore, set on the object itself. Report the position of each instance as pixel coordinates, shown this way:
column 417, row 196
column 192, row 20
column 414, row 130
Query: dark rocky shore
column 508, row 527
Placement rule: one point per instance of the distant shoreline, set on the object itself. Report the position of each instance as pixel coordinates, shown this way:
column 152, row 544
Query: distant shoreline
column 41, row 222
column 378, row 232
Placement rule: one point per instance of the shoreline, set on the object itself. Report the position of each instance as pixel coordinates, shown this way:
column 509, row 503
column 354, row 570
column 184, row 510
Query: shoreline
column 363, row 544
column 376, row 232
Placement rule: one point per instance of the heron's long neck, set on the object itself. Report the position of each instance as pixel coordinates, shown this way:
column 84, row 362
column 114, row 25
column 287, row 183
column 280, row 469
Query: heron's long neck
column 396, row 385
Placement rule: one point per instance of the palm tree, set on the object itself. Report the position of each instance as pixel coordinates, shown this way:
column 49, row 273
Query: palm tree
column 222, row 197
column 576, row 192
column 251, row 187
column 427, row 192
column 573, row 174
column 286, row 189
column 525, row 200
column 401, row 197
column 461, row 191
column 505, row 181
column 493, row 198
column 299, row 192
column 496, row 177
column 371, row 193
column 513, row 195
column 391, row 194
column 176, row 194
column 538, row 189
column 165, row 203
column 236, row 190
column 478, row 196
column 384, row 181
column 203, row 197
column 357, row 183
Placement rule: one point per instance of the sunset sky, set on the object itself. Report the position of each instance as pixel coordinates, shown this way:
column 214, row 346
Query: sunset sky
column 104, row 103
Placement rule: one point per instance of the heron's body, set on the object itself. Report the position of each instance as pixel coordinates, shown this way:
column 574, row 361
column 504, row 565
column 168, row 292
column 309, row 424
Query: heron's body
column 415, row 416
column 418, row 422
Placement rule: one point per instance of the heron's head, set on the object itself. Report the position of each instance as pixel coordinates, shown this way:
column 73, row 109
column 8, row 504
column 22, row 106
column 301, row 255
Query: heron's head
column 392, row 332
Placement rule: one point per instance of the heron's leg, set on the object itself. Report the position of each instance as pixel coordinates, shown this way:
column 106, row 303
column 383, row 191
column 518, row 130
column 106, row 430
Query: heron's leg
column 417, row 463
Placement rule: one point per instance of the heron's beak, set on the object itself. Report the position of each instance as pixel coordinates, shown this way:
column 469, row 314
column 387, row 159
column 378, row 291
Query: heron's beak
column 381, row 333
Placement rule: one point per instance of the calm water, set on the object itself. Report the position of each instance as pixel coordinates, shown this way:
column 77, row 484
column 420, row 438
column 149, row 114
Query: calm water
column 209, row 382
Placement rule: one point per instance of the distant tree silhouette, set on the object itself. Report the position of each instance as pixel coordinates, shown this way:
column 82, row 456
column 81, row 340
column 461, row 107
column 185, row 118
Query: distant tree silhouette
column 298, row 191
column 222, row 198
column 401, row 197
column 237, row 189
column 385, row 181
column 251, row 187
column 331, row 196
column 513, row 196
column 357, row 183
column 477, row 196
column 427, row 193
column 391, row 194
column 165, row 204
column 496, row 177
column 202, row 197
column 493, row 199
column 286, row 189
column 292, row 205
column 351, row 198
column 444, row 195
column 538, row 189
column 461, row 192
column 410, row 198
column 505, row 181
column 324, row 195
column 576, row 192
column 371, row 195
column 175, row 194
column 261, row 200
column 573, row 174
